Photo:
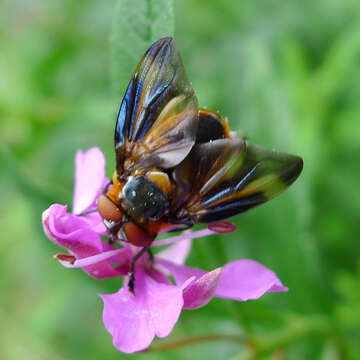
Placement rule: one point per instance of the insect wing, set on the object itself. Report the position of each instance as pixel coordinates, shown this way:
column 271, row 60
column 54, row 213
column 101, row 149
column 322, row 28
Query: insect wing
column 225, row 177
column 158, row 116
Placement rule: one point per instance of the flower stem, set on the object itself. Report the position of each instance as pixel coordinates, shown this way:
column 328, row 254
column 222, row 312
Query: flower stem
column 297, row 329
column 170, row 345
column 257, row 347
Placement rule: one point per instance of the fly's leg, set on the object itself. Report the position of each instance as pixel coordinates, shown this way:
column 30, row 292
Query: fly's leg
column 151, row 256
column 87, row 212
column 106, row 188
column 113, row 230
column 182, row 228
column 132, row 267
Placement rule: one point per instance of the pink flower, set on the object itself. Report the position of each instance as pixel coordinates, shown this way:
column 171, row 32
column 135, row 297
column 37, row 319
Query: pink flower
column 134, row 320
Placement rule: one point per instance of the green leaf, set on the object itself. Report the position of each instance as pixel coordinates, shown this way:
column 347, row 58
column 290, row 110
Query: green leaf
column 137, row 24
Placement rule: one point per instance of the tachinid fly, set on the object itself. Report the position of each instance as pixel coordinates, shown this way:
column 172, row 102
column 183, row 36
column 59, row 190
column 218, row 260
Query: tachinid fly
column 178, row 165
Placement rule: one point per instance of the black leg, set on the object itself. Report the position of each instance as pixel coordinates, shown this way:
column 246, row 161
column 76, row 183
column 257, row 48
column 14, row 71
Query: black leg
column 183, row 228
column 87, row 212
column 151, row 256
column 132, row 267
column 112, row 230
column 112, row 238
column 106, row 188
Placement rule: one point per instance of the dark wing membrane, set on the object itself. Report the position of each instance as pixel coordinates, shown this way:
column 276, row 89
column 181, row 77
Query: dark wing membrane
column 158, row 116
column 225, row 177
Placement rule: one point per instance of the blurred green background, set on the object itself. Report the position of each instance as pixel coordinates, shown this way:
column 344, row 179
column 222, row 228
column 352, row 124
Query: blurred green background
column 286, row 73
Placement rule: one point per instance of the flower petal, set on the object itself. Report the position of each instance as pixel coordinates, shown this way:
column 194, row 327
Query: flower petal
column 95, row 222
column 110, row 255
column 247, row 279
column 186, row 235
column 177, row 252
column 73, row 233
column 240, row 280
column 89, row 178
column 201, row 291
column 134, row 320
column 180, row 272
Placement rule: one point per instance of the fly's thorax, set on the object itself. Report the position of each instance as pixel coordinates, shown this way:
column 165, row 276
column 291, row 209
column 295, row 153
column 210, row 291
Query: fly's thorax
column 161, row 179
column 115, row 190
column 144, row 199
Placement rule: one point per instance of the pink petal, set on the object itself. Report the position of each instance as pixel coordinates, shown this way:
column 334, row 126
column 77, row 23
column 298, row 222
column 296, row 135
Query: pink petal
column 184, row 236
column 247, row 279
column 158, row 276
column 134, row 320
column 110, row 255
column 74, row 234
column 201, row 291
column 177, row 252
column 240, row 280
column 89, row 178
column 95, row 222
column 180, row 272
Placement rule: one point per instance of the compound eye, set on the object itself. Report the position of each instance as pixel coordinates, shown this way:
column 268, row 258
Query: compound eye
column 136, row 235
column 108, row 210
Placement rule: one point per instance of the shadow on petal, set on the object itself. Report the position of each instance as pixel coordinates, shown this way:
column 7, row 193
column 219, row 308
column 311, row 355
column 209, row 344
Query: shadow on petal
column 202, row 290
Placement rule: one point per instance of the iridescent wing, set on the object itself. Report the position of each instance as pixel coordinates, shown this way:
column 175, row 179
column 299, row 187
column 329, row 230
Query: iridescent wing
column 158, row 116
column 225, row 177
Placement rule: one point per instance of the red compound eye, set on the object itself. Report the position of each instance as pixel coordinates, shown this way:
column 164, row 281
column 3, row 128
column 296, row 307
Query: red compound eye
column 136, row 235
column 108, row 210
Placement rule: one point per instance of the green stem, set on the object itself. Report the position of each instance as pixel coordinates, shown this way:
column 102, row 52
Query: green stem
column 297, row 329
column 170, row 345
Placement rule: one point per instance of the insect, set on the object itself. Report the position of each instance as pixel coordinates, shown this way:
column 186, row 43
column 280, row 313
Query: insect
column 178, row 165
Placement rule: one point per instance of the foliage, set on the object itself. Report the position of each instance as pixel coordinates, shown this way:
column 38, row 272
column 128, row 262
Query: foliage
column 137, row 24
column 285, row 73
